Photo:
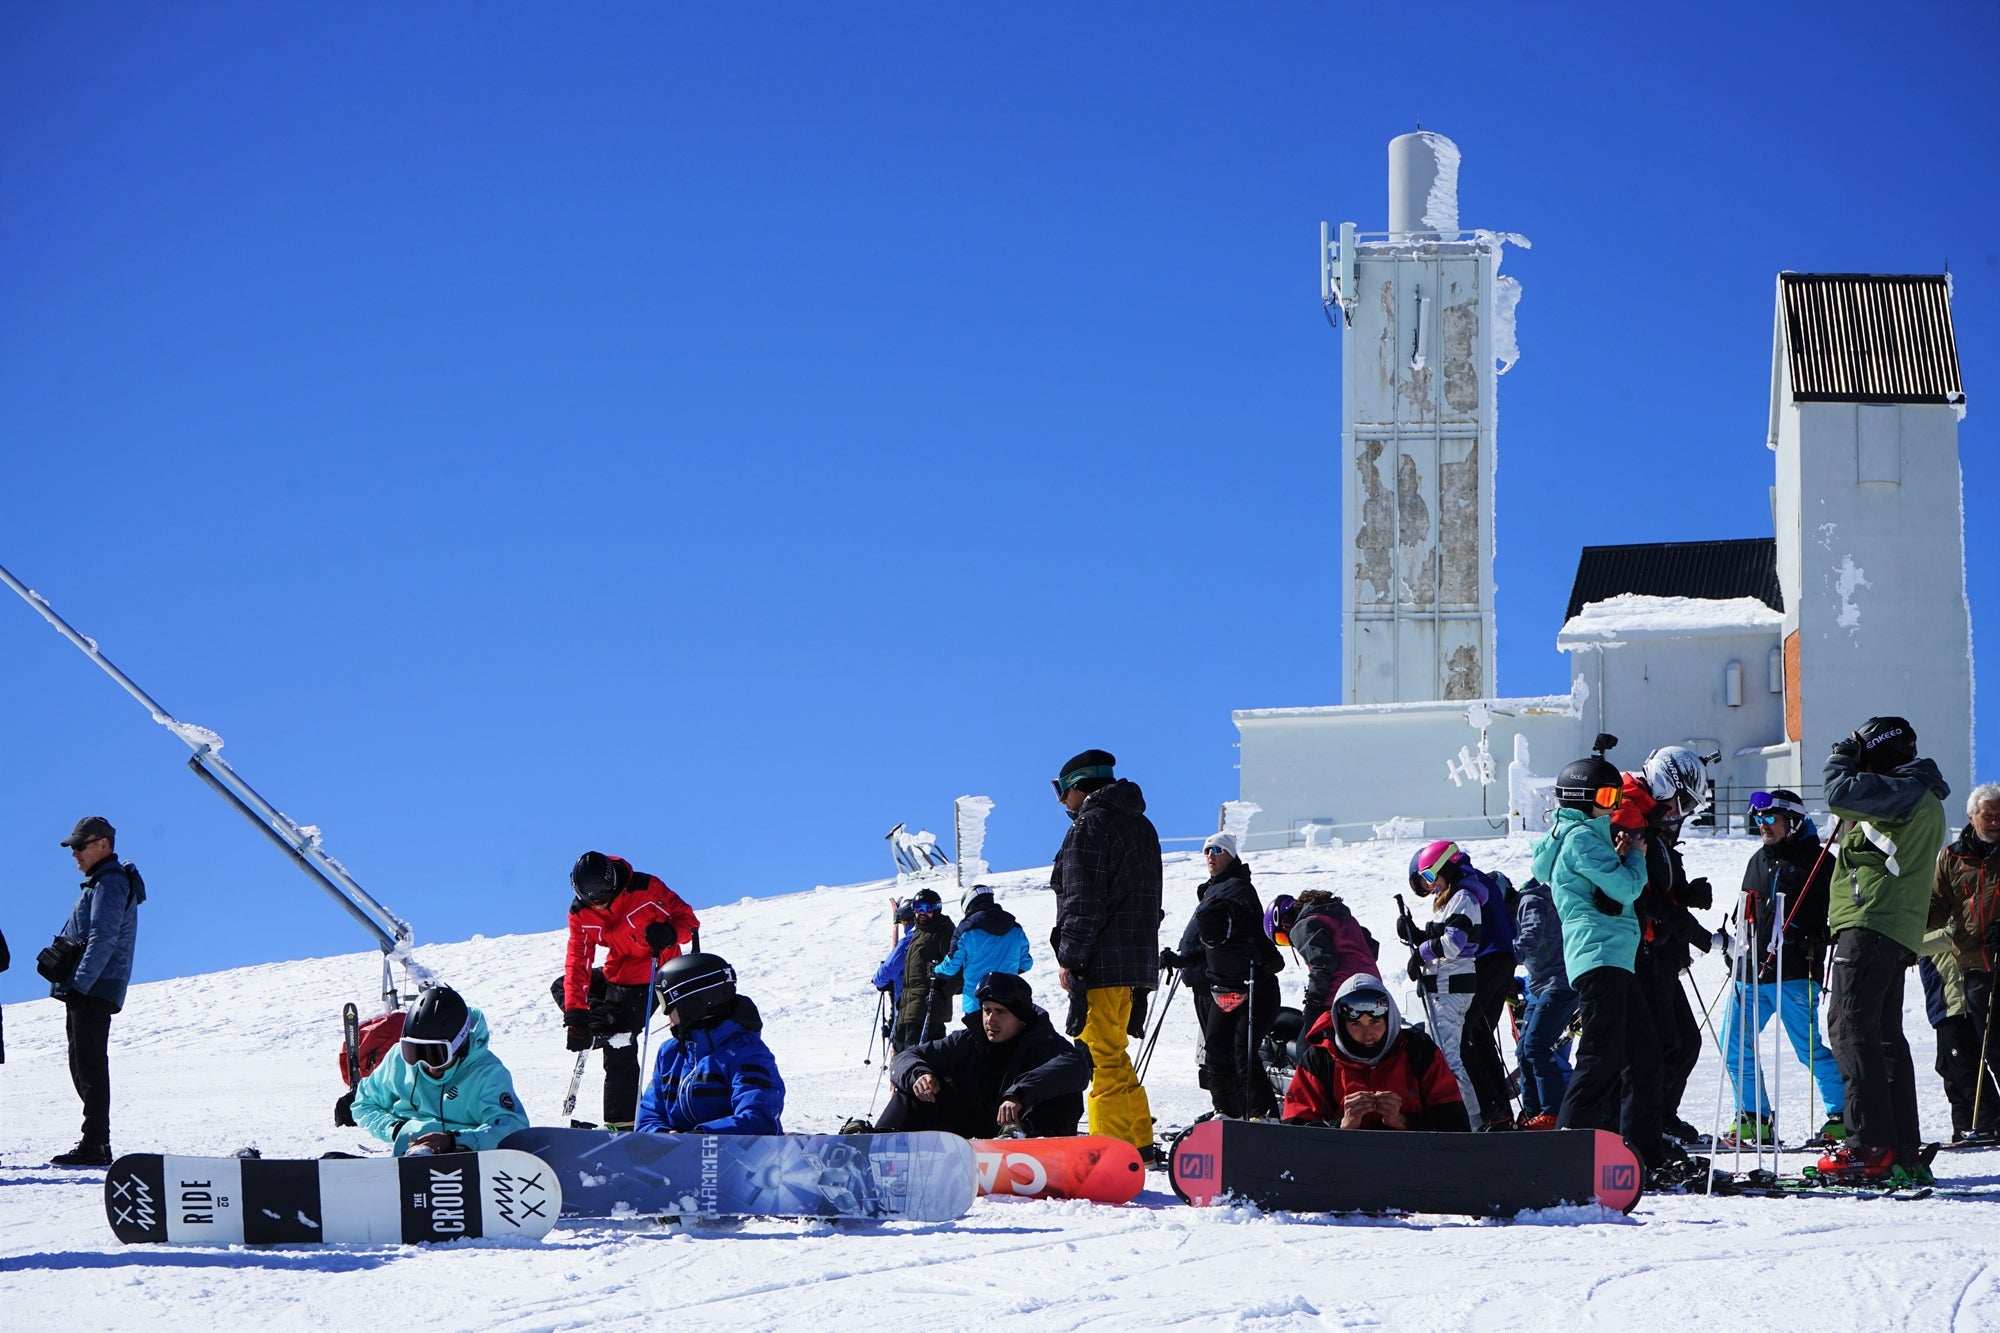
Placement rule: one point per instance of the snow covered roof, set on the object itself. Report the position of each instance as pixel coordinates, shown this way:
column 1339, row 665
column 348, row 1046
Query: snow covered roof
column 1547, row 703
column 1636, row 616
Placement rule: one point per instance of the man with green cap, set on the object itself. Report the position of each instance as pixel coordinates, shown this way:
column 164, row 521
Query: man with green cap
column 1107, row 879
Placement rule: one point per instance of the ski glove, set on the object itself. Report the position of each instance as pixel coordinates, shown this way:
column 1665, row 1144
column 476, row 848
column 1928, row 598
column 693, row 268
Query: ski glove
column 1407, row 930
column 660, row 936
column 576, row 1038
column 1169, row 960
column 1605, row 903
column 1416, row 968
column 1700, row 893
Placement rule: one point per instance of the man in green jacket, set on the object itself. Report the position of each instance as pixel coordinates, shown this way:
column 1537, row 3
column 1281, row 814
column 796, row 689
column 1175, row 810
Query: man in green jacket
column 444, row 1091
column 1890, row 803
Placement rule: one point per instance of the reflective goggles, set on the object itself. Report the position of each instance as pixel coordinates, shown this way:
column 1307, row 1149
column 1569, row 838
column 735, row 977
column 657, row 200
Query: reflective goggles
column 1368, row 1008
column 1608, row 797
column 1076, row 775
column 1282, row 938
column 435, row 1056
column 1762, row 802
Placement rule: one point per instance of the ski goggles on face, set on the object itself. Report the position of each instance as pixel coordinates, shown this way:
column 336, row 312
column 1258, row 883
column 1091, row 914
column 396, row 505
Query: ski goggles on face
column 1350, row 1010
column 1608, row 797
column 435, row 1056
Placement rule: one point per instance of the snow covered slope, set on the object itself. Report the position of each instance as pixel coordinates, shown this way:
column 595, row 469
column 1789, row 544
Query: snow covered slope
column 209, row 1064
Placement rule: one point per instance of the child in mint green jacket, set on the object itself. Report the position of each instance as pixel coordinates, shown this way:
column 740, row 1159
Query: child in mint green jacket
column 443, row 1090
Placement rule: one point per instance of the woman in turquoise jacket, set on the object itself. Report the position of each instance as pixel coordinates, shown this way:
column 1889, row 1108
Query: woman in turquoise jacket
column 989, row 939
column 444, row 1090
column 1596, row 874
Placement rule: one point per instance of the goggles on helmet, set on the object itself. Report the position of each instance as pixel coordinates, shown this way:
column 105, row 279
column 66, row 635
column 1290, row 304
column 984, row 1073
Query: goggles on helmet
column 1762, row 802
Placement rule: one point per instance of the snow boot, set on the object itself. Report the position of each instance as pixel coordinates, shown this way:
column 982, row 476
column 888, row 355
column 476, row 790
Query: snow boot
column 84, row 1155
column 1854, row 1164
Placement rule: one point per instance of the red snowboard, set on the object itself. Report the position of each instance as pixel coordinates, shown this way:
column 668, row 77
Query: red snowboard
column 1088, row 1166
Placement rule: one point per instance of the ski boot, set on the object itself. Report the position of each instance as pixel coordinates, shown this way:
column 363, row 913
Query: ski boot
column 1987, row 1136
column 1750, row 1130
column 1854, row 1164
column 1831, row 1134
column 1687, row 1135
column 1542, row 1121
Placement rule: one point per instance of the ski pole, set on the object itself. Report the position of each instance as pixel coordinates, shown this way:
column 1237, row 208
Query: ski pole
column 646, row 1035
column 1777, row 1064
column 1985, row 1044
column 1159, row 1022
column 1430, row 1019
column 875, row 1028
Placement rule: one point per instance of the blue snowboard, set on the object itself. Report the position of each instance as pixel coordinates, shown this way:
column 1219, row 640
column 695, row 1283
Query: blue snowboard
column 925, row 1177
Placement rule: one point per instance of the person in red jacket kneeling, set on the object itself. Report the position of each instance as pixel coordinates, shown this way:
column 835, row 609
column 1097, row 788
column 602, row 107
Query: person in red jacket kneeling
column 1362, row 1069
column 639, row 922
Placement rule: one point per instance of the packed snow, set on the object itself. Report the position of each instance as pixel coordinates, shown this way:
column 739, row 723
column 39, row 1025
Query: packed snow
column 1636, row 615
column 209, row 1064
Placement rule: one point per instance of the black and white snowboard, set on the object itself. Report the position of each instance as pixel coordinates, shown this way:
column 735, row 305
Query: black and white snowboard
column 1310, row 1169
column 170, row 1200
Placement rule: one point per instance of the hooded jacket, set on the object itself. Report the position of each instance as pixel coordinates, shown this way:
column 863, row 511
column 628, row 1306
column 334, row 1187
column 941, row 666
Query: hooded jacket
column 988, row 940
column 1229, row 922
column 1782, row 868
column 889, row 976
column 1107, row 879
column 473, row 1100
column 1408, row 1065
column 105, row 921
column 1334, row 947
column 619, row 928
column 1965, row 897
column 1041, row 1069
column 929, row 940
column 718, row 1079
column 1574, row 858
column 1888, row 853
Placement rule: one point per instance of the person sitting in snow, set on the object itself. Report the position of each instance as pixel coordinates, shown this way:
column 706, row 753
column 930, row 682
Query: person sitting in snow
column 716, row 1076
column 448, row 1092
column 1006, row 1069
column 988, row 939
column 1362, row 1069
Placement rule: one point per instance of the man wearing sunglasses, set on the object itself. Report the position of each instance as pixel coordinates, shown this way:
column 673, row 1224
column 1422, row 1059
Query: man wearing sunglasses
column 1107, row 880
column 1958, row 979
column 88, row 968
column 447, row 1091
column 1787, row 872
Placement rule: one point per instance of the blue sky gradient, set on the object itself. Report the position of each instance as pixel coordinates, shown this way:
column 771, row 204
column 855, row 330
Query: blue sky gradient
column 716, row 434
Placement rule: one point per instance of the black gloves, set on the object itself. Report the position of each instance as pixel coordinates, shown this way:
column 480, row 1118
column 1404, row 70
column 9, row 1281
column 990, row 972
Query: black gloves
column 1700, row 893
column 576, row 1026
column 1407, row 930
column 1169, row 960
column 661, row 935
column 1848, row 751
column 1416, row 968
column 1605, row 903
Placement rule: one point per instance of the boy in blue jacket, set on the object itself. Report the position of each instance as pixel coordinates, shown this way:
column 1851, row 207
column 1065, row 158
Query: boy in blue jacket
column 716, row 1076
column 988, row 939
column 1596, row 874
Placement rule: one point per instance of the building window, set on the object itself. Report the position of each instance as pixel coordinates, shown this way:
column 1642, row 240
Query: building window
column 1732, row 684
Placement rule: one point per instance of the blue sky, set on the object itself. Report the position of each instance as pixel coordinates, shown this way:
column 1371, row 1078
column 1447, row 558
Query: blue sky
column 717, row 434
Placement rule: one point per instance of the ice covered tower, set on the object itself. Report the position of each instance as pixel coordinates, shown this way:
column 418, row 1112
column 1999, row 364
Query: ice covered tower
column 1865, row 406
column 1427, row 324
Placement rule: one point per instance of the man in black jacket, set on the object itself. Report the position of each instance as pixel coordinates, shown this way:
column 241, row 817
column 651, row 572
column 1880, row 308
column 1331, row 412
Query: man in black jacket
column 1006, row 1070
column 1107, row 881
column 1240, row 966
column 1667, row 931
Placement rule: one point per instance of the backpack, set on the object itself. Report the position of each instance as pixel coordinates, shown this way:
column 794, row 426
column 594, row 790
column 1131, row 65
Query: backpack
column 376, row 1041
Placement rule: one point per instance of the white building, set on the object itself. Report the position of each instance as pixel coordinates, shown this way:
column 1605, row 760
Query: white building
column 1759, row 653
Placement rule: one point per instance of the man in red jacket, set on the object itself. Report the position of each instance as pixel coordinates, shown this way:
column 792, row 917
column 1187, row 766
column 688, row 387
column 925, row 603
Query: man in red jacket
column 1362, row 1069
column 639, row 922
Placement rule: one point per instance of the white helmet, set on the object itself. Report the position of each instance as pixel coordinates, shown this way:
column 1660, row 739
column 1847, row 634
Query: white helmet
column 1676, row 771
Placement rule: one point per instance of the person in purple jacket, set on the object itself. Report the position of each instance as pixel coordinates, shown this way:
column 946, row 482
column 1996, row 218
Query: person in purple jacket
column 1467, row 952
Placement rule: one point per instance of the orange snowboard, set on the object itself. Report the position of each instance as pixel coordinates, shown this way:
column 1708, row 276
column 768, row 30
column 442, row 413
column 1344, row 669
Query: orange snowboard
column 1087, row 1166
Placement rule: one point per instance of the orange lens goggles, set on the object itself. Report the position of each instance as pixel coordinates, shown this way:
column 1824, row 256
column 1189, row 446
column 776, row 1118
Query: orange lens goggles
column 1608, row 797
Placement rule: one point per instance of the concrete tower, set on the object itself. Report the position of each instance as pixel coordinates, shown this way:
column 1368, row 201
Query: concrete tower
column 1426, row 316
column 1865, row 405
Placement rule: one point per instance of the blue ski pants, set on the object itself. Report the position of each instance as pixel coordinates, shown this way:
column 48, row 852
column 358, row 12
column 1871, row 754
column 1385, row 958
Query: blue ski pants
column 1797, row 1004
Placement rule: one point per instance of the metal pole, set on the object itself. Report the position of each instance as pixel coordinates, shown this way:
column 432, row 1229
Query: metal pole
column 1777, row 1063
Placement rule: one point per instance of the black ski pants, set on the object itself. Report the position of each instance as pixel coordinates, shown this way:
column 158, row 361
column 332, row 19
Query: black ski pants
column 1479, row 1042
column 1237, row 1083
column 88, row 1026
column 1957, row 1064
column 956, row 1114
column 1864, row 1025
column 618, row 1016
column 1617, row 1079
column 1675, row 1024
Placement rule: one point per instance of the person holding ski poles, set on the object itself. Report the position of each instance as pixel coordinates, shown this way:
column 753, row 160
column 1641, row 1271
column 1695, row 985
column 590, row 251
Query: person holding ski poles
column 1892, row 805
column 640, row 924
column 1672, row 786
column 1241, row 965
column 1467, row 959
column 1965, row 902
column 1789, row 872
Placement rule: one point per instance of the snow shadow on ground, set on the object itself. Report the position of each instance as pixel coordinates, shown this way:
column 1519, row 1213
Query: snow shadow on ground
column 318, row 1261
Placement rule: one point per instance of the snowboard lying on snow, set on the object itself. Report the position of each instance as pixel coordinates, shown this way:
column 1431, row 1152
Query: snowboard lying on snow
column 928, row 1177
column 1309, row 1169
column 1087, row 1166
column 339, row 1201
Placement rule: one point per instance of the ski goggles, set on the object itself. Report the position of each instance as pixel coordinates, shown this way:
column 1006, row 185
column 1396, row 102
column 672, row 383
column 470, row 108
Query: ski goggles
column 1371, row 1007
column 435, row 1056
column 1445, row 857
column 1764, row 807
column 1076, row 775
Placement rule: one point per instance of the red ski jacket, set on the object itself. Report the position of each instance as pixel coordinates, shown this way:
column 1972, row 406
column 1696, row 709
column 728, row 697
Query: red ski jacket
column 619, row 928
column 1412, row 1069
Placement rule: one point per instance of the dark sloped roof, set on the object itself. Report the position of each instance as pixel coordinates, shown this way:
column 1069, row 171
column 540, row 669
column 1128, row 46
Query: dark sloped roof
column 1717, row 570
column 1870, row 338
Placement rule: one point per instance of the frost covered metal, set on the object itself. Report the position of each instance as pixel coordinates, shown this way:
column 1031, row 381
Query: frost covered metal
column 1427, row 326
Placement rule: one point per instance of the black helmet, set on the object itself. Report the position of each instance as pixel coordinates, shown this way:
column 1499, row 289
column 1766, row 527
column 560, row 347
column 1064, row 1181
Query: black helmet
column 595, row 878
column 437, row 1029
column 1578, row 784
column 926, row 900
column 700, row 985
column 1887, row 743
